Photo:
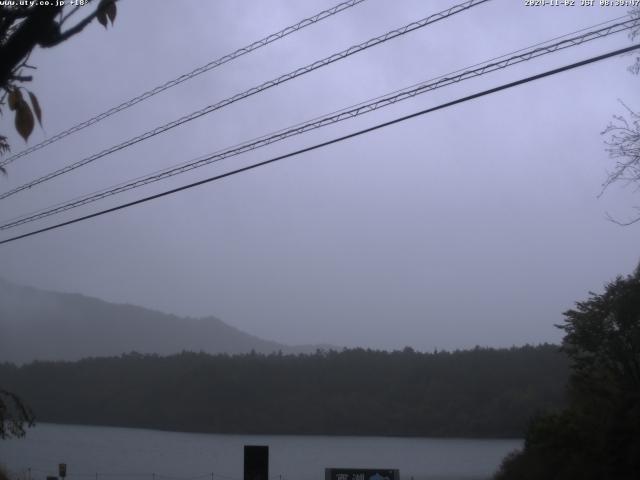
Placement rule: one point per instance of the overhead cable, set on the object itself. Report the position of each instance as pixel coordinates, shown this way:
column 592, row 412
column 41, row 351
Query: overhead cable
column 203, row 157
column 490, row 91
column 360, row 109
column 252, row 91
column 187, row 76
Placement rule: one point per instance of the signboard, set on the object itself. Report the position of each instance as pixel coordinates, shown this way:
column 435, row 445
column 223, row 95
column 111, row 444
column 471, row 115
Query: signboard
column 62, row 470
column 361, row 474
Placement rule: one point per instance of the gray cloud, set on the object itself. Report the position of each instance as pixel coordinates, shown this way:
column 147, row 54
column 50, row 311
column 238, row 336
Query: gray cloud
column 478, row 224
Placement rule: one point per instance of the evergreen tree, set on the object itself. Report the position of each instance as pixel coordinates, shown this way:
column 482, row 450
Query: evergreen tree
column 598, row 435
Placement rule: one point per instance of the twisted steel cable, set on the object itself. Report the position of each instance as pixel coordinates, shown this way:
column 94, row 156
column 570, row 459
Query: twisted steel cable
column 252, row 91
column 319, row 122
column 458, row 101
column 187, row 76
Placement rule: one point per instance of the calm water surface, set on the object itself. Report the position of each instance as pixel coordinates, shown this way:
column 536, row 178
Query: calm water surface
column 106, row 453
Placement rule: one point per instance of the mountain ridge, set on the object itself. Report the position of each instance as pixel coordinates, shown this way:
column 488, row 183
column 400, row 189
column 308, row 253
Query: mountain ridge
column 40, row 324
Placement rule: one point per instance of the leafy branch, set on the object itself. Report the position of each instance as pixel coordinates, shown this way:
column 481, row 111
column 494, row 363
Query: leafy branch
column 15, row 415
column 23, row 28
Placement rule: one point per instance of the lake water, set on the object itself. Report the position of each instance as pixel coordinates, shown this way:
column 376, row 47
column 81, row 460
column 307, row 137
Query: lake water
column 104, row 453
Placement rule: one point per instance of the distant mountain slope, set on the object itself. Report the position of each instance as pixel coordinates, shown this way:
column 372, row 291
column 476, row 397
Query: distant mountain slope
column 42, row 325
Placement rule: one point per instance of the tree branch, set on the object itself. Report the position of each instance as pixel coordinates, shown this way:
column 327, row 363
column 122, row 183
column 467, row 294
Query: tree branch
column 623, row 224
column 36, row 26
column 22, row 78
column 15, row 13
column 70, row 14
column 61, row 37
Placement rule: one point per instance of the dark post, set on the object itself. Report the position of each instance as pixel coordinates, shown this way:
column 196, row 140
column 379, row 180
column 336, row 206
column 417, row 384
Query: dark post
column 256, row 462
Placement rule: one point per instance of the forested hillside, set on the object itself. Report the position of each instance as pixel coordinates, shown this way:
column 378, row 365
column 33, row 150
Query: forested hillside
column 480, row 392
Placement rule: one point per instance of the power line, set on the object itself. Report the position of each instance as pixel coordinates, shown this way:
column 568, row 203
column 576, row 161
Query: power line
column 127, row 183
column 330, row 142
column 360, row 109
column 252, row 91
column 187, row 76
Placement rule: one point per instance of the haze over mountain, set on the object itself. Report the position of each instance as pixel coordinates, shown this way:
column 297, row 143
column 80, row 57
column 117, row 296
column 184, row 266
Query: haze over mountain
column 44, row 325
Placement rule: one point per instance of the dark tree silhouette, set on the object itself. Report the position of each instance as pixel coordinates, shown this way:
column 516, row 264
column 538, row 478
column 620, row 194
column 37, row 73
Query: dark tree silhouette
column 598, row 435
column 14, row 415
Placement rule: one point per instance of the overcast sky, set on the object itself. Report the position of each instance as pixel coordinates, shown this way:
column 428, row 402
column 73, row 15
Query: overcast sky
column 475, row 225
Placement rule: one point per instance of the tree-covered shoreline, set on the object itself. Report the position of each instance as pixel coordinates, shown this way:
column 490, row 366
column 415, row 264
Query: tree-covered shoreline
column 597, row 436
column 471, row 393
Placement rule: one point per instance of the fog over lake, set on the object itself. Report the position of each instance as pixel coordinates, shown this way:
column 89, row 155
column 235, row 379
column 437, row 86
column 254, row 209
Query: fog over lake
column 137, row 454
